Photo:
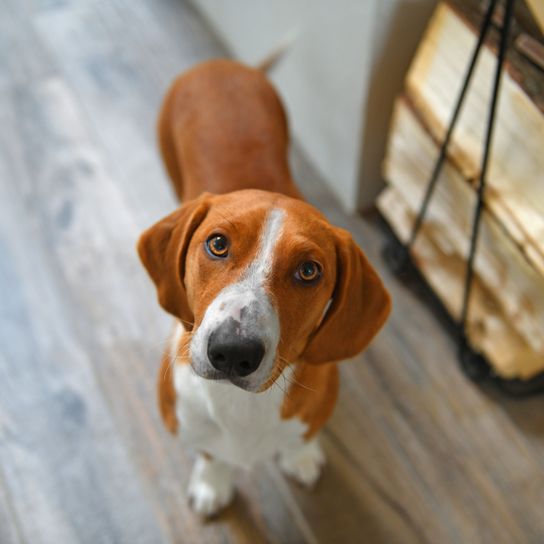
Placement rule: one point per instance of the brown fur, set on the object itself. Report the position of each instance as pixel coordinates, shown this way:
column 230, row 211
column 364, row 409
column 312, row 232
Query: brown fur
column 223, row 126
column 167, row 394
column 223, row 137
column 312, row 395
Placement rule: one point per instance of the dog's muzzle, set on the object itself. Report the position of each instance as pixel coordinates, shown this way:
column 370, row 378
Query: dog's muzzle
column 237, row 339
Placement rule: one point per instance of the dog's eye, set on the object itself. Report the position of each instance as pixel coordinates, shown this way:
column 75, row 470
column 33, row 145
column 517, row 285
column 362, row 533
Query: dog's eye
column 308, row 272
column 217, row 245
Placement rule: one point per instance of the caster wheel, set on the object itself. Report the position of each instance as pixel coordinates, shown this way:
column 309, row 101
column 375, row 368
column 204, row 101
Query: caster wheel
column 398, row 258
column 523, row 388
column 473, row 364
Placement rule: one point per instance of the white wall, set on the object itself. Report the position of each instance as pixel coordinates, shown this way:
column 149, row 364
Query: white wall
column 338, row 78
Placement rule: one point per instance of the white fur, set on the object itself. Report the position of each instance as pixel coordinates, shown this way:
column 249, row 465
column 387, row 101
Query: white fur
column 303, row 463
column 249, row 294
column 211, row 487
column 237, row 428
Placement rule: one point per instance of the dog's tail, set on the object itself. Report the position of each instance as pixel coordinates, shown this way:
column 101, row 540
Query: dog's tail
column 269, row 62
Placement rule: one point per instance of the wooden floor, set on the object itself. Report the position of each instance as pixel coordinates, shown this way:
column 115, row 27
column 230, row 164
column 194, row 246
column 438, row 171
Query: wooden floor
column 416, row 454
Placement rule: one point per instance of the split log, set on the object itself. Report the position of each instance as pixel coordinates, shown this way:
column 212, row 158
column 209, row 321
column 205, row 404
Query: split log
column 506, row 318
column 515, row 194
column 488, row 329
column 537, row 7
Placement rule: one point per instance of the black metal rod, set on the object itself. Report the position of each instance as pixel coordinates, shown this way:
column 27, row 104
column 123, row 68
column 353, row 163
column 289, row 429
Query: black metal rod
column 487, row 147
column 438, row 165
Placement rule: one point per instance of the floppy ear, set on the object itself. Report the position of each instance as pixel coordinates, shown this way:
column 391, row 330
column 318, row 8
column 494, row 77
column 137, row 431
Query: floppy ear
column 360, row 305
column 163, row 248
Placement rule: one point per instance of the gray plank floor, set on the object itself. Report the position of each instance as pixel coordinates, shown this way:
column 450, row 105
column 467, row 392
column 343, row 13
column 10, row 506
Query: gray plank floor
column 416, row 453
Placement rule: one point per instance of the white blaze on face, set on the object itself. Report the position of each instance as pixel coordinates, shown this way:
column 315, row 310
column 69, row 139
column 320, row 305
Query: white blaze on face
column 247, row 303
column 261, row 267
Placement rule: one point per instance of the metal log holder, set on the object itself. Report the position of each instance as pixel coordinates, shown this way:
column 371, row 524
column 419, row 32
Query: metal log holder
column 398, row 255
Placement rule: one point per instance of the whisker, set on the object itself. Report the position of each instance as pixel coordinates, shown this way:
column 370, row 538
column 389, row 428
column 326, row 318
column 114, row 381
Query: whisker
column 286, row 385
column 179, row 356
column 291, row 379
column 276, row 383
column 294, row 381
column 286, row 360
column 188, row 323
column 287, row 392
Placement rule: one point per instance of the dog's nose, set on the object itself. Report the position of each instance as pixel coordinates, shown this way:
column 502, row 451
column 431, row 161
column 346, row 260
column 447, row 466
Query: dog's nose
column 234, row 355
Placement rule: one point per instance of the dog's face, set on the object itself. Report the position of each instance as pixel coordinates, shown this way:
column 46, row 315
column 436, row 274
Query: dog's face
column 262, row 280
column 258, row 277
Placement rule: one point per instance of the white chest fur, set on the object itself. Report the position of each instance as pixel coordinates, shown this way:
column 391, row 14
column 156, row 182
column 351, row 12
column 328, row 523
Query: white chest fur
column 236, row 426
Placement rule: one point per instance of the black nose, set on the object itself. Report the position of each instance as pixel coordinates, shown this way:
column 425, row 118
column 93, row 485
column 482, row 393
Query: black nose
column 233, row 354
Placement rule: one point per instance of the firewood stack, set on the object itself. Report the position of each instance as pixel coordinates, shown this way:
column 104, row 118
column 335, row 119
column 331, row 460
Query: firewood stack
column 506, row 313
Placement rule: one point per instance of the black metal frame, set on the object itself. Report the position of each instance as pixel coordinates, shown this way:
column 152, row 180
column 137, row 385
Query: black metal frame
column 399, row 256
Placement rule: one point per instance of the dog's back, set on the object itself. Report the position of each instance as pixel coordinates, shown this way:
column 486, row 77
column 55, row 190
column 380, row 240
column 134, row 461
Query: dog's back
column 223, row 128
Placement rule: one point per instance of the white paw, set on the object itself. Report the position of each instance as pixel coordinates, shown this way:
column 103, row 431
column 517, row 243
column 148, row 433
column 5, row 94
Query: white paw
column 210, row 488
column 304, row 464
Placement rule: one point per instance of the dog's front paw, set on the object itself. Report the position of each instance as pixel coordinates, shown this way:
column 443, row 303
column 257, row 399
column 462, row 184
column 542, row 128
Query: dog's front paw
column 210, row 488
column 303, row 464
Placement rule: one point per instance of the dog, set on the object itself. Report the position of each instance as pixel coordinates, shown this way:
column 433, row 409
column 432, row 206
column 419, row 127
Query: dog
column 268, row 296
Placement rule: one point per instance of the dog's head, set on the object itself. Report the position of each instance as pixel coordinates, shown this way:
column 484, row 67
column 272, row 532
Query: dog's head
column 262, row 280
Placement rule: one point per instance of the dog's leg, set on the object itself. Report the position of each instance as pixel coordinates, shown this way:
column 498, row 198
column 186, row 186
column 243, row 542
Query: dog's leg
column 211, row 487
column 303, row 463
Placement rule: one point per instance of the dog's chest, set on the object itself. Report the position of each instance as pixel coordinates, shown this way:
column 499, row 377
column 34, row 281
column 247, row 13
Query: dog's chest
column 231, row 424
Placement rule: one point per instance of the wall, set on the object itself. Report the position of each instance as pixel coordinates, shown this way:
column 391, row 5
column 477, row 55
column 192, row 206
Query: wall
column 338, row 77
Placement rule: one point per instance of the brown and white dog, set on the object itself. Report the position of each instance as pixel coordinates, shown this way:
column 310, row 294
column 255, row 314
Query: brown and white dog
column 268, row 295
